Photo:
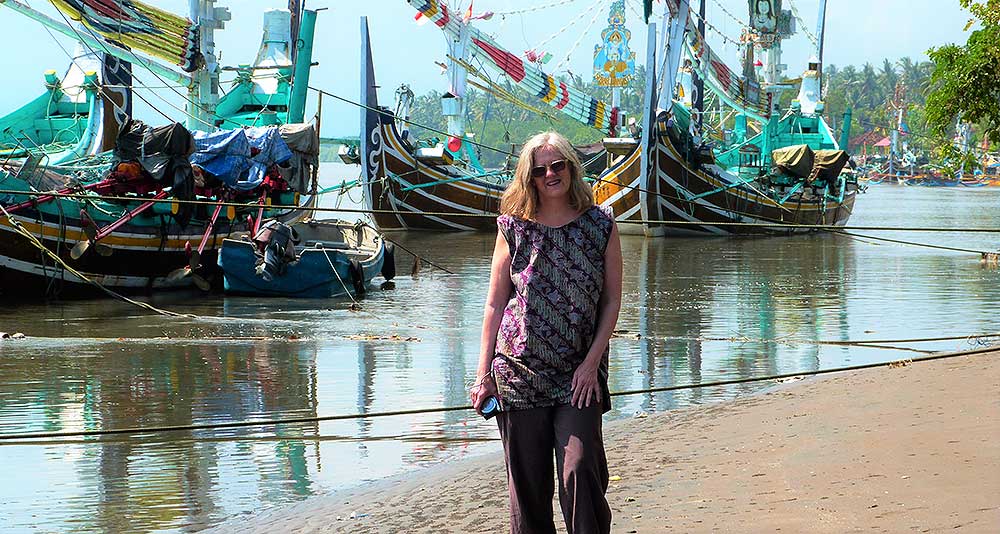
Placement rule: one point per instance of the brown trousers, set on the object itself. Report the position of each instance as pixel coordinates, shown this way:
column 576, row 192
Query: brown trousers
column 529, row 438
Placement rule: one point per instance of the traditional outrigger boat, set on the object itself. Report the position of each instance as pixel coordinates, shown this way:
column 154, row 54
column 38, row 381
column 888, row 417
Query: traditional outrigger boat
column 45, row 239
column 444, row 187
column 673, row 178
column 78, row 116
column 313, row 259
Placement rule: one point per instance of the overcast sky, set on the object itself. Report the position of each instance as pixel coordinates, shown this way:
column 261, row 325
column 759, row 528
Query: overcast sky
column 857, row 31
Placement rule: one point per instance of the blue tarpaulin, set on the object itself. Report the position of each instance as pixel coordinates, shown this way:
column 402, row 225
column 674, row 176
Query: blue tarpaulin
column 240, row 158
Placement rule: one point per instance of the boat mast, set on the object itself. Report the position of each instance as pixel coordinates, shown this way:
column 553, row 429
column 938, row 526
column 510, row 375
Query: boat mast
column 820, row 30
column 674, row 47
column 898, row 105
column 453, row 102
column 765, row 17
column 963, row 138
column 203, row 93
column 697, row 82
column 303, row 34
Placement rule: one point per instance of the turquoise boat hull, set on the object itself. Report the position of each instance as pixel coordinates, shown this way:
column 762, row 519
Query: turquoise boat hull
column 334, row 259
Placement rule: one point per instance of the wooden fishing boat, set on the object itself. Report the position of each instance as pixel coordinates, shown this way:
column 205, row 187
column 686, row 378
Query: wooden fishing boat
column 408, row 188
column 78, row 115
column 674, row 173
column 974, row 182
column 149, row 236
column 122, row 233
column 313, row 259
column 739, row 178
column 444, row 187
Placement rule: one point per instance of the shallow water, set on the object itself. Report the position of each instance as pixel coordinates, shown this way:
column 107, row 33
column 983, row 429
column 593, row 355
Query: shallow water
column 695, row 311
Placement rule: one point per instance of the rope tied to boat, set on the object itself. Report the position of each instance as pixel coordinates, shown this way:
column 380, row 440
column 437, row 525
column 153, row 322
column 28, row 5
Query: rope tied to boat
column 55, row 257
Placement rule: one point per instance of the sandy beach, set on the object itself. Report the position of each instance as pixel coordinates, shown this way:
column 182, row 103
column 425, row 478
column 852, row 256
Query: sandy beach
column 905, row 448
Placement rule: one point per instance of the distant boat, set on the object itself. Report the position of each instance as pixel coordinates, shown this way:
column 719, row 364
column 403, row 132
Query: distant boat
column 314, row 259
column 974, row 182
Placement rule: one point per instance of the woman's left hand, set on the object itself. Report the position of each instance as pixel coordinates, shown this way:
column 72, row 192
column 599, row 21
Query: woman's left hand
column 585, row 385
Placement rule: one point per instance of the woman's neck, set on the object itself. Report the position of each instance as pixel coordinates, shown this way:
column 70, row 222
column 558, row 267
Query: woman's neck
column 555, row 213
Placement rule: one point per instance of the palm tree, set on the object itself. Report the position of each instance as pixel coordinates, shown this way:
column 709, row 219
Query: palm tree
column 851, row 82
column 888, row 78
column 869, row 87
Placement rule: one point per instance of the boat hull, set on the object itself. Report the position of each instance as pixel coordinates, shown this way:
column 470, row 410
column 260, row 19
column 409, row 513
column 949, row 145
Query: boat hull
column 702, row 199
column 142, row 257
column 327, row 266
column 407, row 194
column 143, row 252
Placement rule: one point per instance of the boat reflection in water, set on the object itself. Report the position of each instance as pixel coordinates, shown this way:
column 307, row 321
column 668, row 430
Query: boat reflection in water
column 739, row 319
column 142, row 482
column 695, row 310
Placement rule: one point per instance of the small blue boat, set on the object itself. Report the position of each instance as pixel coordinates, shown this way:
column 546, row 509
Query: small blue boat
column 313, row 259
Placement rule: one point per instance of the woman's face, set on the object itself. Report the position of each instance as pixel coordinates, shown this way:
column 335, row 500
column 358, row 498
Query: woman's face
column 550, row 174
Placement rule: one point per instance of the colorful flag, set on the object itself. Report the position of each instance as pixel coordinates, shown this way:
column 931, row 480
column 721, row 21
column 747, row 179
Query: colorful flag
column 421, row 19
column 468, row 14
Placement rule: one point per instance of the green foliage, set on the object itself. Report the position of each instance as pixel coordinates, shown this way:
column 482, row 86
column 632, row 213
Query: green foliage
column 869, row 94
column 967, row 78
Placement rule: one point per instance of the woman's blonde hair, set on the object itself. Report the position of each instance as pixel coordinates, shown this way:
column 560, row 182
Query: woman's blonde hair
column 521, row 197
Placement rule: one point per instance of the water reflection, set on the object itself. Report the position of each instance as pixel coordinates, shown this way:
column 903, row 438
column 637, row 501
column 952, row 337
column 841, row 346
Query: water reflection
column 146, row 481
column 765, row 295
column 694, row 311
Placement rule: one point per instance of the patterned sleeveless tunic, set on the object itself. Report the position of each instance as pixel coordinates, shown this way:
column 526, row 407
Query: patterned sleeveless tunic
column 550, row 320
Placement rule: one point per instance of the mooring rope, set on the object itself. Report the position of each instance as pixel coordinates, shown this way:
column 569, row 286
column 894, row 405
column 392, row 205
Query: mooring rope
column 911, row 243
column 861, row 342
column 410, row 252
column 55, row 257
column 665, row 222
column 420, row 411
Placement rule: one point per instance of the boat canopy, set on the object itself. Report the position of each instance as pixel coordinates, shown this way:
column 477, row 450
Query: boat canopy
column 240, row 158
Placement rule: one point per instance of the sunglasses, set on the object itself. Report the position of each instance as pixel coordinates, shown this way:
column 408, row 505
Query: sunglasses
column 557, row 167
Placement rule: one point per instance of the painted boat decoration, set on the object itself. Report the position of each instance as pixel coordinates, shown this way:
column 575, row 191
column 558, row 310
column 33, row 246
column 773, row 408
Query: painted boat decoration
column 444, row 187
column 142, row 240
column 313, row 259
column 672, row 173
column 77, row 117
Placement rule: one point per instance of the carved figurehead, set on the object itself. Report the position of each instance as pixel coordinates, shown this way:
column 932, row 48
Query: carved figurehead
column 764, row 15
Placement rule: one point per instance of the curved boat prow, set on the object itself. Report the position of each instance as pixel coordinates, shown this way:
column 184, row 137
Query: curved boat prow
column 79, row 115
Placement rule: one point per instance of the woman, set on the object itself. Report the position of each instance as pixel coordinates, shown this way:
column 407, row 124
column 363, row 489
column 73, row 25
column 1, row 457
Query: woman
column 554, row 296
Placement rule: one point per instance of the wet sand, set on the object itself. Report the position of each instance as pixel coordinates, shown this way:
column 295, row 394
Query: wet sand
column 907, row 448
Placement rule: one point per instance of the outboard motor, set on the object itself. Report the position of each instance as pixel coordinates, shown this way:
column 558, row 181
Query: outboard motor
column 275, row 249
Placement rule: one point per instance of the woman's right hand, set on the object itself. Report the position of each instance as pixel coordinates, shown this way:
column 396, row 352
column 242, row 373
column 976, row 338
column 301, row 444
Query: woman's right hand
column 485, row 388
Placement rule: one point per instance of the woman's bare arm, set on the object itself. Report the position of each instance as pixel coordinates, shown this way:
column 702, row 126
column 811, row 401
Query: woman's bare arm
column 496, row 301
column 585, row 381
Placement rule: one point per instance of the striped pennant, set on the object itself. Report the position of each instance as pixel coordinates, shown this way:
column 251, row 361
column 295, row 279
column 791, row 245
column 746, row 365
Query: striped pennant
column 573, row 102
